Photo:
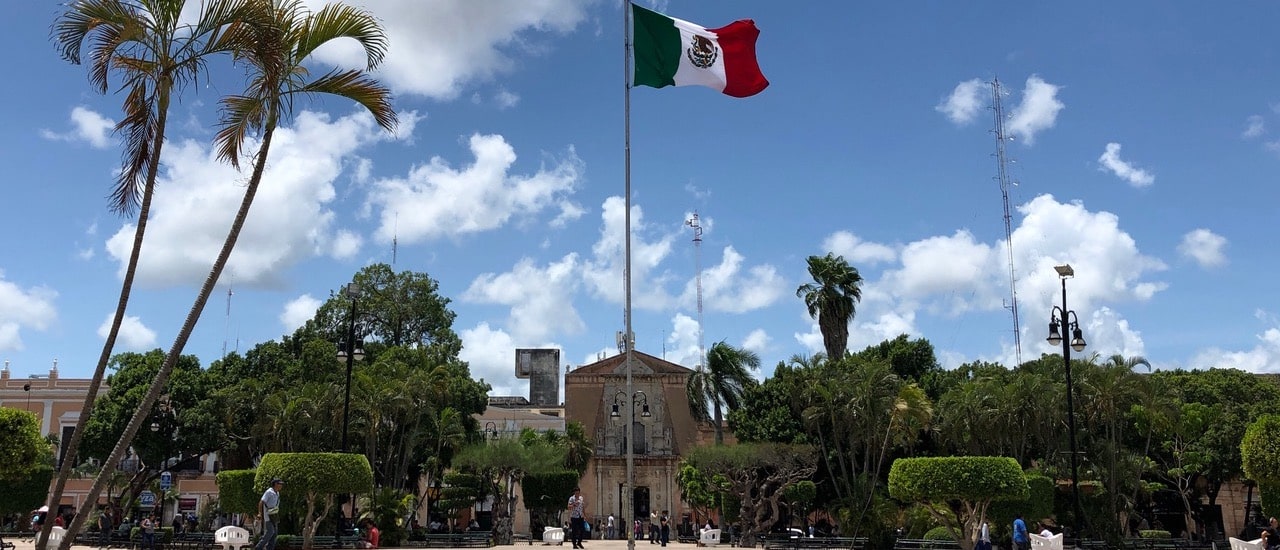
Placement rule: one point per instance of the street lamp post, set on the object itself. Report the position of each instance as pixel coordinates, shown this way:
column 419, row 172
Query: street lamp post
column 167, row 412
column 638, row 397
column 352, row 351
column 1070, row 324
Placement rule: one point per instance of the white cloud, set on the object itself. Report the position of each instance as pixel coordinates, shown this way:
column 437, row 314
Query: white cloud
column 439, row 47
column 491, row 355
column 1204, row 247
column 291, row 219
column 23, row 309
column 1255, row 127
column 481, row 197
column 346, row 244
column 298, row 311
column 1263, row 357
column 726, row 288
column 1112, row 162
column 957, row 271
column 1038, row 110
column 603, row 272
column 506, row 99
column 133, row 335
column 569, row 211
column 540, row 298
column 758, row 341
column 682, row 342
column 858, row 252
column 965, row 101
column 87, row 126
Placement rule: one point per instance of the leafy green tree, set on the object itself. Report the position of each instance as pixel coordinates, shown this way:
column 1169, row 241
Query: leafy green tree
column 23, row 449
column 389, row 509
column 758, row 474
column 503, row 463
column 545, row 494
column 832, row 299
column 721, row 383
column 398, row 308
column 700, row 491
column 25, row 493
column 236, row 494
column 768, row 413
column 957, row 490
column 911, row 359
column 1260, row 450
column 1109, row 390
column 461, row 490
column 317, row 478
column 154, row 51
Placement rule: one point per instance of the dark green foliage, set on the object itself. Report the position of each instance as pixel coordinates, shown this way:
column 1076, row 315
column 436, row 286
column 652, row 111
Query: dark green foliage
column 25, row 493
column 939, row 533
column 315, row 473
column 1260, row 450
column 546, row 494
column 236, row 493
column 911, row 360
column 1270, row 499
column 388, row 509
column 969, row 478
column 767, row 414
column 1038, row 504
column 1154, row 534
column 23, row 449
column 460, row 491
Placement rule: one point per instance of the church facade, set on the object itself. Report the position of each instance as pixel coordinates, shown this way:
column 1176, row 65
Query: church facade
column 664, row 429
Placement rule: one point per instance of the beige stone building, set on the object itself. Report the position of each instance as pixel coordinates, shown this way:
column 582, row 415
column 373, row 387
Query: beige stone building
column 660, row 437
column 56, row 402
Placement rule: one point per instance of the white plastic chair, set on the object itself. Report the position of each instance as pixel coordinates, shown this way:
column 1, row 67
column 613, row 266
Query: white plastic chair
column 55, row 535
column 1046, row 543
column 709, row 537
column 1255, row 544
column 553, row 535
column 231, row 537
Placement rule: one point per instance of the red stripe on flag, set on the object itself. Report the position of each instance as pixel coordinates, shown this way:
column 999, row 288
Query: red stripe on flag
column 741, row 70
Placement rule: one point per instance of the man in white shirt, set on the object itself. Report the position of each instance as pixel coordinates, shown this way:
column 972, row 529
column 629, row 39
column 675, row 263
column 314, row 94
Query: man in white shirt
column 268, row 507
column 577, row 518
column 610, row 530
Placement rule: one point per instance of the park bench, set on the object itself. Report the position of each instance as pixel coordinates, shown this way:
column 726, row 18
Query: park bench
column 807, row 543
column 925, row 544
column 465, row 539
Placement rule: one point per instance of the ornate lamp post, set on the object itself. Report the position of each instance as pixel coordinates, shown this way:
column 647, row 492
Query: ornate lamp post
column 352, row 351
column 638, row 397
column 1066, row 319
column 169, row 414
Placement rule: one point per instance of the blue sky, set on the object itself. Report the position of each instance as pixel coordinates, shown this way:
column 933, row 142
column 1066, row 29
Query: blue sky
column 1145, row 144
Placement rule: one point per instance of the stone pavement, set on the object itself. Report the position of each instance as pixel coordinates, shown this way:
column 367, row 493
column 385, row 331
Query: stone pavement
column 595, row 544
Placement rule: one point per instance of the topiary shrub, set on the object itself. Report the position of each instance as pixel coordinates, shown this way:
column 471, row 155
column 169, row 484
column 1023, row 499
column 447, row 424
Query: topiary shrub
column 236, row 494
column 939, row 533
column 317, row 478
column 957, row 489
column 1260, row 450
column 1038, row 504
column 1154, row 534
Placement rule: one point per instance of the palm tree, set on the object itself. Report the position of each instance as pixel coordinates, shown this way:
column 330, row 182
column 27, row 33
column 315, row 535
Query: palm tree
column 831, row 299
column 153, row 53
column 721, row 384
column 283, row 34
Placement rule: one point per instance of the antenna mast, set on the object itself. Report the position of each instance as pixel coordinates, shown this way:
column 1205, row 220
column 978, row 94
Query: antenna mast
column 395, row 239
column 226, row 334
column 1002, row 163
column 697, row 255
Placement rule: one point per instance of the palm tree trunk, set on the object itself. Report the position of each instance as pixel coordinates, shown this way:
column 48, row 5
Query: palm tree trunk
column 126, row 288
column 175, row 352
column 715, row 405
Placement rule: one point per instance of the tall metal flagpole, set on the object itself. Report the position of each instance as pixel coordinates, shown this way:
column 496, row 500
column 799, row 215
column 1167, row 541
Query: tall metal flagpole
column 628, row 338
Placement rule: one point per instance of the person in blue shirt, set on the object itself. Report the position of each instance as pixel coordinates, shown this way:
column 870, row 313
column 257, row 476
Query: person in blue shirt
column 1020, row 539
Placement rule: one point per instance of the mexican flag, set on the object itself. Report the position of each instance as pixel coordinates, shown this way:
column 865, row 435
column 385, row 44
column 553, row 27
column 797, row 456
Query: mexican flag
column 673, row 52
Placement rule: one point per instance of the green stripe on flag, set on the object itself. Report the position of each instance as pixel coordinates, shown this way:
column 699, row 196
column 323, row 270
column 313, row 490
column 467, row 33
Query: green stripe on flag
column 656, row 49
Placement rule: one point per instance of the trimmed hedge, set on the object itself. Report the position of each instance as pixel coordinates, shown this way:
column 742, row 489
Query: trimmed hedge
column 236, row 494
column 1260, row 450
column 968, row 478
column 26, row 494
column 320, row 473
column 939, row 533
column 1038, row 504
column 1154, row 534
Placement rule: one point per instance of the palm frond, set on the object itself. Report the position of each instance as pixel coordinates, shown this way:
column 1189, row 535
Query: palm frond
column 363, row 89
column 342, row 21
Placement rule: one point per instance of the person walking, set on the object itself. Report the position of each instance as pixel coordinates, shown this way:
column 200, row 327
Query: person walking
column 610, row 530
column 577, row 521
column 268, row 508
column 653, row 527
column 1020, row 539
column 148, row 527
column 666, row 528
column 106, row 522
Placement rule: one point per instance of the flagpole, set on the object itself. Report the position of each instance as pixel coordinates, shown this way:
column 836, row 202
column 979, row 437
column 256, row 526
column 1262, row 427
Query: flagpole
column 628, row 337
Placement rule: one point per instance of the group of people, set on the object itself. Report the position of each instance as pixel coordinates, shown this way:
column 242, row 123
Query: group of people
column 659, row 524
column 1021, row 538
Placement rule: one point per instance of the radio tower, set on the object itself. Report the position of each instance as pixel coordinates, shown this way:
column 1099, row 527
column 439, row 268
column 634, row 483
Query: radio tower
column 226, row 335
column 1002, row 163
column 697, row 255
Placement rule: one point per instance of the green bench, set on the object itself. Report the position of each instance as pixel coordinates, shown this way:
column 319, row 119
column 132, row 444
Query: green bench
column 466, row 539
